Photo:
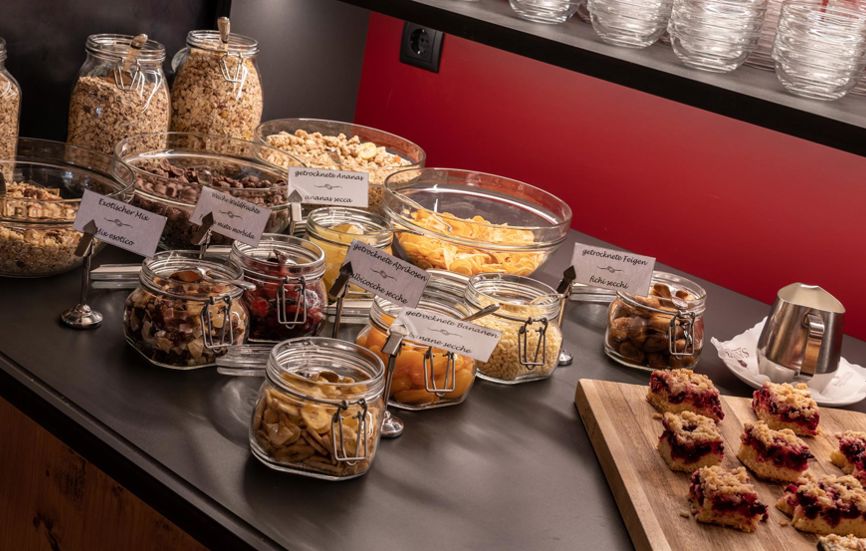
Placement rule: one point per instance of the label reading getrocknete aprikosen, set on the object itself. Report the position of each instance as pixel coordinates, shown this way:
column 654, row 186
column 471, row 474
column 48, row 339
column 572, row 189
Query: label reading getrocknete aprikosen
column 319, row 186
column 120, row 224
column 232, row 217
column 386, row 276
column 612, row 269
column 460, row 337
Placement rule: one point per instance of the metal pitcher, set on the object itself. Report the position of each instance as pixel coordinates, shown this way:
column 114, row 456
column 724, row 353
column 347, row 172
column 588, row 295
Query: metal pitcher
column 803, row 334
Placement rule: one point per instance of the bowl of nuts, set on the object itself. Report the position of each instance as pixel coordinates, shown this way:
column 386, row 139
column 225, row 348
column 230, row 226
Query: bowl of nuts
column 171, row 168
column 336, row 145
column 38, row 204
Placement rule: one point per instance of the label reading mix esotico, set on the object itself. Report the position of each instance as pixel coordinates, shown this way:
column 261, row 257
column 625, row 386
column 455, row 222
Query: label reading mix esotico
column 233, row 217
column 119, row 224
column 612, row 269
column 385, row 275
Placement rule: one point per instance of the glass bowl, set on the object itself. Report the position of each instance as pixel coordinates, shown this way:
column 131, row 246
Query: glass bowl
column 41, row 200
column 471, row 222
column 171, row 167
column 336, row 145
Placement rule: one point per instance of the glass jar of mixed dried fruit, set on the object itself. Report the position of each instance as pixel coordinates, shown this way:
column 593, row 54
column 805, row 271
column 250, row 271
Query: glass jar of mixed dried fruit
column 662, row 330
column 528, row 317
column 287, row 297
column 319, row 412
column 424, row 377
column 334, row 228
column 186, row 311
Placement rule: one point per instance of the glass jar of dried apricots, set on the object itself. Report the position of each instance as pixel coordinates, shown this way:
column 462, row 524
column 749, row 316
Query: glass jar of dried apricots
column 334, row 228
column 424, row 377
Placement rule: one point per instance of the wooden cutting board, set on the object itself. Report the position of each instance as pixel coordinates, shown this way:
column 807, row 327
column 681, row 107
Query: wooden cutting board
column 651, row 497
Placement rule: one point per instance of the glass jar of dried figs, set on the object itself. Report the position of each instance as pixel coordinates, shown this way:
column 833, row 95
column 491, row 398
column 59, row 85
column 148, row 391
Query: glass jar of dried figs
column 121, row 90
column 288, row 296
column 217, row 88
column 186, row 310
column 528, row 317
column 10, row 109
column 319, row 412
column 662, row 330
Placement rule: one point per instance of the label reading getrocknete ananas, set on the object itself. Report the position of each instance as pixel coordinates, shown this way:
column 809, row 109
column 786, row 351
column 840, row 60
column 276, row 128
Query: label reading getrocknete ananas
column 386, row 276
column 319, row 186
column 120, row 224
column 612, row 269
column 460, row 337
column 232, row 217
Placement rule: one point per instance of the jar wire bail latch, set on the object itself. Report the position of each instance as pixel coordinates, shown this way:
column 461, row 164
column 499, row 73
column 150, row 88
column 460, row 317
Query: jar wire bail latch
column 338, row 436
column 523, row 347
column 300, row 316
column 686, row 322
column 130, row 65
column 240, row 71
column 449, row 382
column 207, row 325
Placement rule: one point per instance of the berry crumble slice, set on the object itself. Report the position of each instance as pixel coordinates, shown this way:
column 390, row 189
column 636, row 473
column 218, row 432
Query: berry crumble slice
column 725, row 497
column 775, row 455
column 851, row 455
column 834, row 542
column 690, row 441
column 783, row 406
column 679, row 390
column 827, row 505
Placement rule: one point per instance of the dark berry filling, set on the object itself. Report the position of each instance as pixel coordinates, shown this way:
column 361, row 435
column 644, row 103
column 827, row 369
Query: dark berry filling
column 707, row 401
column 691, row 452
column 854, row 450
column 781, row 454
column 763, row 400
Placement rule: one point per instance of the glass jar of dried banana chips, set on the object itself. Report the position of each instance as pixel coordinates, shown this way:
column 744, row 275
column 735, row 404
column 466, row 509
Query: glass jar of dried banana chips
column 319, row 411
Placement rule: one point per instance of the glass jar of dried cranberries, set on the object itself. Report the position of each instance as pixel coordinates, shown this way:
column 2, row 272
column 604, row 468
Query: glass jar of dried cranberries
column 289, row 296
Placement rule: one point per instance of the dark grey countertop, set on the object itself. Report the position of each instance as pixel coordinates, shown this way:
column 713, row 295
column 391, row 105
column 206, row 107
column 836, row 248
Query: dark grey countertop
column 511, row 468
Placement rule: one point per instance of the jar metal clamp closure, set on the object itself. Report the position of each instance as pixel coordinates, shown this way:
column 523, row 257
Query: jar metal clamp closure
column 685, row 321
column 523, row 348
column 129, row 65
column 240, row 73
column 362, row 416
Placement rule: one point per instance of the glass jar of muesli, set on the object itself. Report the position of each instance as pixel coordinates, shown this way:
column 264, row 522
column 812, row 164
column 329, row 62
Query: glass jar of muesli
column 186, row 310
column 120, row 91
column 217, row 88
column 10, row 109
column 319, row 412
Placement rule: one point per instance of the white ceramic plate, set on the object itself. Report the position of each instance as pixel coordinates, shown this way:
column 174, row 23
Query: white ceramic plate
column 846, row 386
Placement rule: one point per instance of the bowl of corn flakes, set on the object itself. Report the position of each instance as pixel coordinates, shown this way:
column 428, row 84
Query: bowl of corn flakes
column 470, row 222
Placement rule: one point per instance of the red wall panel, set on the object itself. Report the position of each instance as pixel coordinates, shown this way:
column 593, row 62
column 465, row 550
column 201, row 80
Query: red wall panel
column 740, row 205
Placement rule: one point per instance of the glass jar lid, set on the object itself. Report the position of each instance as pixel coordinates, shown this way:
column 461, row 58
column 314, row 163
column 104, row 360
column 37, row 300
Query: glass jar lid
column 519, row 297
column 116, row 47
column 446, row 284
column 669, row 292
column 210, row 40
column 183, row 275
column 326, row 370
column 342, row 225
column 278, row 257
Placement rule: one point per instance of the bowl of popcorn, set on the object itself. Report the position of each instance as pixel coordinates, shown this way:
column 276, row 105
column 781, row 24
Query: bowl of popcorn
column 336, row 145
column 471, row 222
column 40, row 192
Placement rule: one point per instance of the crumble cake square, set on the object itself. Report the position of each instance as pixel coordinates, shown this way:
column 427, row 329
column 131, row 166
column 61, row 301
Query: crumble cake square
column 835, row 542
column 690, row 441
column 725, row 497
column 678, row 390
column 826, row 505
column 851, row 455
column 785, row 406
column 774, row 455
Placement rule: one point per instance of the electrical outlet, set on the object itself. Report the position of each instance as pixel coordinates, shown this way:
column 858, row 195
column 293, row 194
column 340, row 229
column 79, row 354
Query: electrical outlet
column 421, row 46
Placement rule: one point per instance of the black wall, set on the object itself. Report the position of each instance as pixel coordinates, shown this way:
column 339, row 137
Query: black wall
column 310, row 60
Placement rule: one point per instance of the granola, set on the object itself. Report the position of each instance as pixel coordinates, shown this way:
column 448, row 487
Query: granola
column 10, row 106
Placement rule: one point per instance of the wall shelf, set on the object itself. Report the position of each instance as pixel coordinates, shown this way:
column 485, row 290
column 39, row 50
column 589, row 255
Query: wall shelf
column 747, row 94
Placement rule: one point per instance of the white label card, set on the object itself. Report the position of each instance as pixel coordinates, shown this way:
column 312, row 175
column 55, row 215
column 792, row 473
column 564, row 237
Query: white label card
column 232, row 217
column 612, row 269
column 318, row 186
column 120, row 224
column 385, row 275
column 460, row 337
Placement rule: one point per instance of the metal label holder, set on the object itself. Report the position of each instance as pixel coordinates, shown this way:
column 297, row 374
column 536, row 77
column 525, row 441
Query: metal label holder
column 565, row 287
column 82, row 316
column 392, row 426
column 338, row 290
column 202, row 236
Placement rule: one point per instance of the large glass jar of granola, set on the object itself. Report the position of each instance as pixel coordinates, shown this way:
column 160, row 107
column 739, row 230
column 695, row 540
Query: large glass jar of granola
column 10, row 109
column 319, row 411
column 186, row 311
column 334, row 228
column 528, row 317
column 217, row 88
column 663, row 329
column 424, row 377
column 120, row 91
column 287, row 298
